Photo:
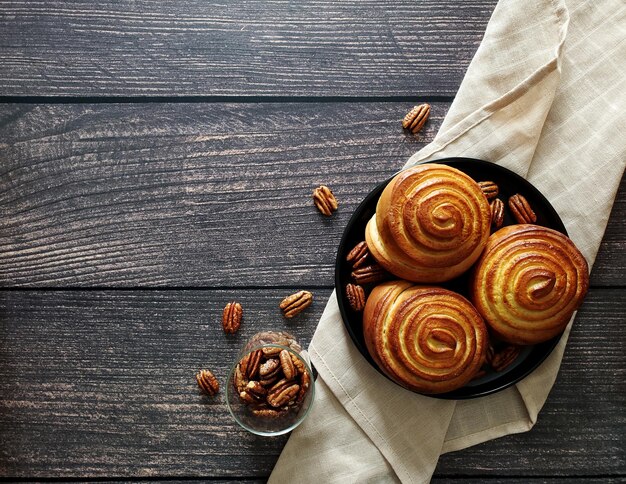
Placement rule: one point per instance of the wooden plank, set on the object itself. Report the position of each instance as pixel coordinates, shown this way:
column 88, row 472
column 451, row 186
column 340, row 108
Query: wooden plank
column 188, row 194
column 100, row 384
column 157, row 194
column 259, row 47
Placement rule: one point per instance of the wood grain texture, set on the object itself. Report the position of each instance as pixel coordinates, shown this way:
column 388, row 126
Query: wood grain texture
column 100, row 384
column 255, row 47
column 186, row 194
column 200, row 194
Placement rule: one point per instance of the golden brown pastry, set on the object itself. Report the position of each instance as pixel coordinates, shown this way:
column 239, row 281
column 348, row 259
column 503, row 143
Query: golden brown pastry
column 427, row 339
column 432, row 222
column 528, row 283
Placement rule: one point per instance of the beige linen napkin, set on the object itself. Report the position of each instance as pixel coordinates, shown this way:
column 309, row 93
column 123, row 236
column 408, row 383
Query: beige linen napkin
column 545, row 97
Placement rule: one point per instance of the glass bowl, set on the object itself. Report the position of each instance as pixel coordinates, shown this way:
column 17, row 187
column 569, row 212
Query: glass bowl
column 274, row 402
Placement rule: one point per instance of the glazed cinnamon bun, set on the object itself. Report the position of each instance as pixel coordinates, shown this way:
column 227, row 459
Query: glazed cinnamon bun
column 528, row 283
column 427, row 339
column 432, row 222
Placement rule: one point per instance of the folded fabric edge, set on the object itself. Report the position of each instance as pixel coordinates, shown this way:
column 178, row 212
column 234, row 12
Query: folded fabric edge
column 446, row 137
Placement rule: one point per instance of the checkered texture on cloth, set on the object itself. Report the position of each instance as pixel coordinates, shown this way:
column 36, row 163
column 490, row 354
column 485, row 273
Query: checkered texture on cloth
column 545, row 97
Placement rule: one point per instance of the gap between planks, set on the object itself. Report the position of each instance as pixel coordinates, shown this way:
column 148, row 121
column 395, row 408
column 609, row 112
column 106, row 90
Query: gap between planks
column 218, row 99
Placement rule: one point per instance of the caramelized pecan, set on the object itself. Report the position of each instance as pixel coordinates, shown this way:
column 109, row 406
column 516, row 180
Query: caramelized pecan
column 497, row 212
column 489, row 188
column 289, row 369
column 239, row 380
column 358, row 255
column 282, row 393
column 296, row 303
column 325, row 200
column 207, row 381
column 250, row 364
column 369, row 274
column 231, row 317
column 305, row 382
column 521, row 209
column 416, row 117
column 255, row 389
column 356, row 297
column 503, row 358
column 269, row 368
column 271, row 350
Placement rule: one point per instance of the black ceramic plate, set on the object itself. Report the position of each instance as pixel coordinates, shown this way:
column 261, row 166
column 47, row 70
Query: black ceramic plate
column 509, row 184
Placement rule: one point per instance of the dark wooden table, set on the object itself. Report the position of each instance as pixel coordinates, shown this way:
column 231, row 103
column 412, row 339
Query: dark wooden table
column 157, row 160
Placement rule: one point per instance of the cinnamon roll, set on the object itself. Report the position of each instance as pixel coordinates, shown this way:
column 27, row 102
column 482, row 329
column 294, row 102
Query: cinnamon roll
column 432, row 222
column 427, row 339
column 528, row 283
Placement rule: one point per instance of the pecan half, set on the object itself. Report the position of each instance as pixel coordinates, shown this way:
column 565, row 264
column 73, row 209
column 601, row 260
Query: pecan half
column 271, row 350
column 368, row 274
column 503, row 358
column 416, row 118
column 239, row 380
column 489, row 188
column 282, row 393
column 305, row 382
column 296, row 303
column 231, row 317
column 289, row 369
column 207, row 382
column 256, row 389
column 250, row 364
column 270, row 380
column 358, row 255
column 325, row 200
column 356, row 297
column 247, row 397
column 297, row 362
column 522, row 211
column 497, row 212
column 263, row 411
column 269, row 368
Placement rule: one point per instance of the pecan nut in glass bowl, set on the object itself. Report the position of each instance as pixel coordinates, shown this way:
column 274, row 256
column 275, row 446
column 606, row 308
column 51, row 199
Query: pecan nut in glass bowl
column 270, row 387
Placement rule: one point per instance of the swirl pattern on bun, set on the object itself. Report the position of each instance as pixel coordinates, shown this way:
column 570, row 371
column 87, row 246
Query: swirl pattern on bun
column 528, row 283
column 432, row 222
column 427, row 339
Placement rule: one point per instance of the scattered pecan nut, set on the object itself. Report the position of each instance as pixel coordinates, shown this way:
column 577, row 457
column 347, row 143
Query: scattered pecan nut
column 369, row 274
column 497, row 212
column 416, row 118
column 325, row 200
column 207, row 382
column 356, row 297
column 358, row 255
column 296, row 303
column 489, row 188
column 522, row 211
column 503, row 358
column 231, row 317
